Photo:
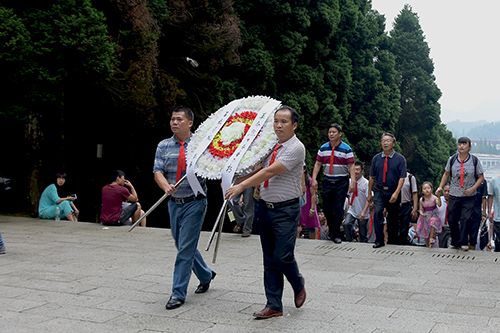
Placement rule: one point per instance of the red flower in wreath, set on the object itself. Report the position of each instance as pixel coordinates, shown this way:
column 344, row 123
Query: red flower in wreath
column 220, row 147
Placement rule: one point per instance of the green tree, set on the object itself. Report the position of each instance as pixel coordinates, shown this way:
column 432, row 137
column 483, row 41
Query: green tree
column 329, row 59
column 371, row 102
column 425, row 141
column 286, row 54
column 59, row 51
column 207, row 32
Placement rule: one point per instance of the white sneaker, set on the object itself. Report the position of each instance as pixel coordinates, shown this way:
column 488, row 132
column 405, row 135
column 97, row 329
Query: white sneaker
column 465, row 247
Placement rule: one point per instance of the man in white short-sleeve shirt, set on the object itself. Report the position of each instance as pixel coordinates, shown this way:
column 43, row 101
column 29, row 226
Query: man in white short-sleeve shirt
column 279, row 212
column 358, row 206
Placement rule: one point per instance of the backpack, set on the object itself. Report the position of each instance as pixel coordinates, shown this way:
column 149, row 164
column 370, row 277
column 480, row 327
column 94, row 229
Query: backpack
column 414, row 220
column 454, row 158
column 409, row 181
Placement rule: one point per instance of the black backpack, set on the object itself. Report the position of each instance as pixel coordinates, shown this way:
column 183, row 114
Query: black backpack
column 475, row 160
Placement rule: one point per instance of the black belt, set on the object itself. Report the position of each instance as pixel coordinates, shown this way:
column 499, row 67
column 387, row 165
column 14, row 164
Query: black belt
column 184, row 200
column 335, row 179
column 382, row 188
column 274, row 205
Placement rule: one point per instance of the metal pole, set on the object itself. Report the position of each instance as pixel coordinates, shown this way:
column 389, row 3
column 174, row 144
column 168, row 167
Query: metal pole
column 155, row 205
column 222, row 213
column 221, row 224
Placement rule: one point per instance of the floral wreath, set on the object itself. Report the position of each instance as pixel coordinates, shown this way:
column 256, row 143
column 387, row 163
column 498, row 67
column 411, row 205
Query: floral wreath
column 229, row 137
column 225, row 142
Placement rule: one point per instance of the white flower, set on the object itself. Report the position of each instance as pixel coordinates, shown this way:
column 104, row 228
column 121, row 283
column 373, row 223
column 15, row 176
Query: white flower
column 232, row 132
column 209, row 166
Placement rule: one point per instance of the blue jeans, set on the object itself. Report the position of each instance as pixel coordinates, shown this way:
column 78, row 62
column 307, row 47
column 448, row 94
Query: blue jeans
column 186, row 221
column 349, row 224
column 278, row 229
column 1, row 240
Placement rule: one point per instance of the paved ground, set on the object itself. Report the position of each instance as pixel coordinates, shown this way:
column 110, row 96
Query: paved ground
column 81, row 277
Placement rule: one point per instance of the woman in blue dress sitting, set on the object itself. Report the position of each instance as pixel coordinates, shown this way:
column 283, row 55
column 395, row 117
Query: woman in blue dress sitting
column 52, row 205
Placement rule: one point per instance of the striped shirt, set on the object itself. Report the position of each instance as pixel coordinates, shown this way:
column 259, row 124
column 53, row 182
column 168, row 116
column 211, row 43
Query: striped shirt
column 166, row 157
column 287, row 185
column 343, row 156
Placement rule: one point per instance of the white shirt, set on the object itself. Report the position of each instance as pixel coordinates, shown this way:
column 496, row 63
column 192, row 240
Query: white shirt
column 360, row 200
column 407, row 190
column 442, row 209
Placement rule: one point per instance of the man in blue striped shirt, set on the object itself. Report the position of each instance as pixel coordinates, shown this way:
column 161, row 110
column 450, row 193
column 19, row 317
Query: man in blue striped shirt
column 337, row 159
column 186, row 211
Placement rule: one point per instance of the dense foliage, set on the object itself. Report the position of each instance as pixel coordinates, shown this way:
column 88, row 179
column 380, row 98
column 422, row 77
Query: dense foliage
column 81, row 74
column 425, row 141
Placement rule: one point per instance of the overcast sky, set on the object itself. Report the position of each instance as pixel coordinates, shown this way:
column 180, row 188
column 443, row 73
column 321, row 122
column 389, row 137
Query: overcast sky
column 464, row 40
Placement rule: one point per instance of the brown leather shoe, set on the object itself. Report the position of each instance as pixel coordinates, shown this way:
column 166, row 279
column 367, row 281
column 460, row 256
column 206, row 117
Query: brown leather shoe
column 267, row 313
column 300, row 297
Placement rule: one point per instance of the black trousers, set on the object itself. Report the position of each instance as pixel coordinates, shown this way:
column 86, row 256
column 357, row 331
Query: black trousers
column 475, row 223
column 404, row 221
column 334, row 193
column 381, row 200
column 460, row 220
column 496, row 235
column 278, row 231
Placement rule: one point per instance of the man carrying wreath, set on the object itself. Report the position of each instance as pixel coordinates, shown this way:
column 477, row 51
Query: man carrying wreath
column 279, row 212
column 186, row 210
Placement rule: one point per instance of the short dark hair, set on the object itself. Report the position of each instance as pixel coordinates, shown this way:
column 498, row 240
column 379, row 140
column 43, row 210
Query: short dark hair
column 187, row 112
column 464, row 139
column 61, row 174
column 388, row 134
column 361, row 164
column 294, row 114
column 336, row 126
column 117, row 173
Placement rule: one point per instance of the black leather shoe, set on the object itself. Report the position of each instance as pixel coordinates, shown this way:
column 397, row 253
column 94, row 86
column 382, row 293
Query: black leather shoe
column 174, row 303
column 337, row 240
column 203, row 287
column 377, row 245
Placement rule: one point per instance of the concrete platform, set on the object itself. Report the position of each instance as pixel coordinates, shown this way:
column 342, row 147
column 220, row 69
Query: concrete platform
column 81, row 277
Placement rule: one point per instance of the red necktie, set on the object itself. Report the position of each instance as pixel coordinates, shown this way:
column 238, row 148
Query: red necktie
column 271, row 161
column 354, row 192
column 331, row 161
column 386, row 166
column 462, row 174
column 181, row 161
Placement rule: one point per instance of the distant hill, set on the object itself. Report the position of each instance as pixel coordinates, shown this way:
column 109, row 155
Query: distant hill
column 475, row 130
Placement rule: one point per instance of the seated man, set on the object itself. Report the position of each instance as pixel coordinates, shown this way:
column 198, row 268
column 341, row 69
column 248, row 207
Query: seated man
column 113, row 211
